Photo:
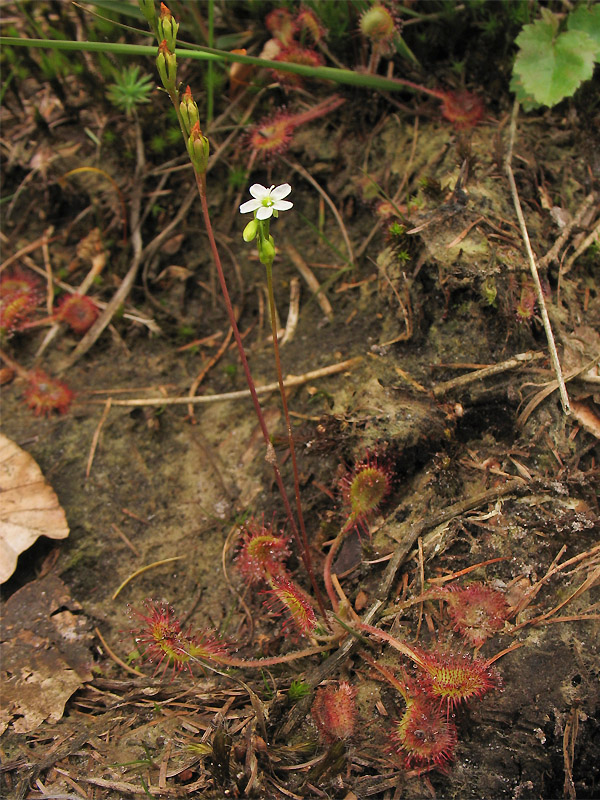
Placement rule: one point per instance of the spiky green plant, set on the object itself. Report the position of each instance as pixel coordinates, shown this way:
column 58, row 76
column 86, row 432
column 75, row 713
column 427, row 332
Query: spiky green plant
column 130, row 90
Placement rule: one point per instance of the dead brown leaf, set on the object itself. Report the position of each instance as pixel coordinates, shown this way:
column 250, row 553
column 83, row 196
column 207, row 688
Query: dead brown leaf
column 29, row 506
column 44, row 654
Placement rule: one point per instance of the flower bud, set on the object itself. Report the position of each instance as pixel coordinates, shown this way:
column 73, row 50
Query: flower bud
column 189, row 111
column 250, row 231
column 266, row 251
column 198, row 149
column 166, row 64
column 149, row 12
column 167, row 27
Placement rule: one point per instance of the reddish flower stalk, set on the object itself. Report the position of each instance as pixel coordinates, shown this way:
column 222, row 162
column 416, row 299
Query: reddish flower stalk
column 273, row 134
column 301, row 539
column 167, row 67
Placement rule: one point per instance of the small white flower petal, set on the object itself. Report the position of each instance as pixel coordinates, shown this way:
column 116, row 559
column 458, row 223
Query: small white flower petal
column 279, row 192
column 264, row 212
column 259, row 191
column 282, row 205
column 250, row 205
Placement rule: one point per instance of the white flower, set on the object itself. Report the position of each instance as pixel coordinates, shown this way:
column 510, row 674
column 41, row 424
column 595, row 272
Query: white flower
column 266, row 201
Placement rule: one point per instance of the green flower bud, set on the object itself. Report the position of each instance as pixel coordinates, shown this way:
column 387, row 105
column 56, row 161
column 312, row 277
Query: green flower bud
column 148, row 10
column 250, row 231
column 198, row 149
column 167, row 27
column 189, row 111
column 266, row 251
column 166, row 64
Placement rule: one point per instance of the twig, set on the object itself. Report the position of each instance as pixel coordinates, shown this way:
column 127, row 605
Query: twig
column 300, row 169
column 126, row 539
column 203, row 372
column 552, row 254
column 564, row 398
column 551, row 387
column 145, row 569
column 293, row 313
column 43, row 240
column 116, row 658
column 485, row 372
column 291, row 380
column 96, row 437
column 313, row 283
column 594, row 236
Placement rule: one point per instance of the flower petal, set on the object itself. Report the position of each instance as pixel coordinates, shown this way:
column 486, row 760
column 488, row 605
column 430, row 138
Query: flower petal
column 259, row 191
column 249, row 205
column 282, row 205
column 280, row 191
column 264, row 212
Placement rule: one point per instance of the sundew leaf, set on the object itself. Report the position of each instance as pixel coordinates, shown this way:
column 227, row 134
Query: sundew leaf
column 548, row 67
column 587, row 20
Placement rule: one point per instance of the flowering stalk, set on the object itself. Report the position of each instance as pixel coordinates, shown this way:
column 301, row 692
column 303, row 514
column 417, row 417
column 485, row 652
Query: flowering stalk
column 197, row 146
column 268, row 203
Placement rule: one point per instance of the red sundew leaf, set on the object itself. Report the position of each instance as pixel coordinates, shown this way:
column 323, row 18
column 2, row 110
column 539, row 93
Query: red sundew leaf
column 425, row 736
column 262, row 552
column 455, row 678
column 292, row 600
column 44, row 394
column 334, row 711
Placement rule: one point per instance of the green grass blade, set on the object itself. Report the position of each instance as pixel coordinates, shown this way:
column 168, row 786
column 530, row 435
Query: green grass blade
column 342, row 76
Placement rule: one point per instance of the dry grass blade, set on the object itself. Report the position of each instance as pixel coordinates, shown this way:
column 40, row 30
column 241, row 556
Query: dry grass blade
column 564, row 398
